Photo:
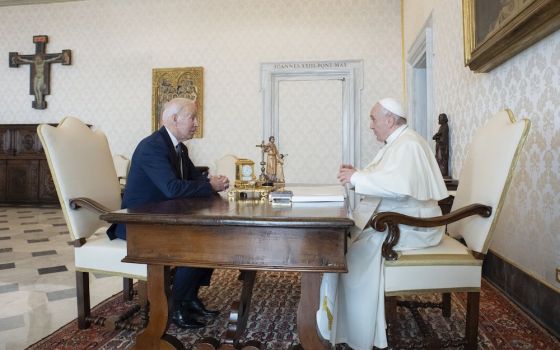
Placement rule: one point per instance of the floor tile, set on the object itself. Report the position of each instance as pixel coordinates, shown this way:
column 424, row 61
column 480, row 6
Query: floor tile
column 12, row 287
column 44, row 252
column 37, row 240
column 53, row 269
column 11, row 322
column 61, row 294
column 7, row 266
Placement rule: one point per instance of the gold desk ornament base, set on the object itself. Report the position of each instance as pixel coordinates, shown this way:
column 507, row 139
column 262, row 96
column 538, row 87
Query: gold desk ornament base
column 249, row 192
column 256, row 190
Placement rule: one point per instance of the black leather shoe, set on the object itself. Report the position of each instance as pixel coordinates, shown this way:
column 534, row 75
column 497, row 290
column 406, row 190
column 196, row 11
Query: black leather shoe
column 197, row 307
column 185, row 320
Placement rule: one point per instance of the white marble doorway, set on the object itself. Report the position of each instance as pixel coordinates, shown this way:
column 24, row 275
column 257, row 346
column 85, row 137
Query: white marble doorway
column 313, row 111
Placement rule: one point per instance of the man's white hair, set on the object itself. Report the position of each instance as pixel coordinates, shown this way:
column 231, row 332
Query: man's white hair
column 175, row 106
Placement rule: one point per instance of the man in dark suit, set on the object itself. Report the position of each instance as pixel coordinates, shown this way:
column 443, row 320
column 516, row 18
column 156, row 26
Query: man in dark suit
column 161, row 170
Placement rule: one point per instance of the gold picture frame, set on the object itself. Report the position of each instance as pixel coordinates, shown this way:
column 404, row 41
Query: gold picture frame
column 168, row 83
column 496, row 30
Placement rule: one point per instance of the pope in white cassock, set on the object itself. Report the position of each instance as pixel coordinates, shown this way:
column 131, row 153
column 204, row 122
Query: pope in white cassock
column 403, row 177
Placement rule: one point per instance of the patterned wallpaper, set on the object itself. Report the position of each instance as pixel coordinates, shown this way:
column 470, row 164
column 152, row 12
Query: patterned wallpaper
column 116, row 44
column 528, row 233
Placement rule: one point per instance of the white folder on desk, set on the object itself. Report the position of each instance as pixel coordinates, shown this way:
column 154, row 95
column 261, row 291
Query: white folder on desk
column 324, row 193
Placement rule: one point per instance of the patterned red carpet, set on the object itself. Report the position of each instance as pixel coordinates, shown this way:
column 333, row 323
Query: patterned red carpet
column 273, row 316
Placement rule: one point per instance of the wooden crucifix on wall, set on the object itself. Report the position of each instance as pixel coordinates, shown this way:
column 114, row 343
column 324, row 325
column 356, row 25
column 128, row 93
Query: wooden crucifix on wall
column 40, row 63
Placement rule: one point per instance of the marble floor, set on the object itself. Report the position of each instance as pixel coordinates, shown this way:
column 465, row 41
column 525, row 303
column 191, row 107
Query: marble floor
column 37, row 277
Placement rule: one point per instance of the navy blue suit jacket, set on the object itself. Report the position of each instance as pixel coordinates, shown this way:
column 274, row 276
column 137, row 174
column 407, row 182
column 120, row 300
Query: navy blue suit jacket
column 155, row 176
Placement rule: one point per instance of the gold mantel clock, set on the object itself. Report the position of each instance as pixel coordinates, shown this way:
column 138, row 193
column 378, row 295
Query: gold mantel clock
column 246, row 186
column 244, row 173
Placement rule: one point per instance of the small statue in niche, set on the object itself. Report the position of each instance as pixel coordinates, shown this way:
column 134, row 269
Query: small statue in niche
column 442, row 145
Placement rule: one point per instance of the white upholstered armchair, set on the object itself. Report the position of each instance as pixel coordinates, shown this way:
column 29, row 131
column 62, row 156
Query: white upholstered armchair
column 87, row 185
column 455, row 265
column 122, row 165
column 226, row 166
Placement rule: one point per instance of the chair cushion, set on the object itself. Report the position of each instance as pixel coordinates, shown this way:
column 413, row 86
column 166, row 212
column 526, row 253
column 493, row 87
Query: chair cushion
column 447, row 266
column 101, row 255
column 448, row 247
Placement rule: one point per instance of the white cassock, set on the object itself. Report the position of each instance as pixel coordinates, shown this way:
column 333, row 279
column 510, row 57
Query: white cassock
column 404, row 177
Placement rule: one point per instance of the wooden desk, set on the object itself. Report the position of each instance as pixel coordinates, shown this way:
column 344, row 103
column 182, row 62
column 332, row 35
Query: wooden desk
column 246, row 235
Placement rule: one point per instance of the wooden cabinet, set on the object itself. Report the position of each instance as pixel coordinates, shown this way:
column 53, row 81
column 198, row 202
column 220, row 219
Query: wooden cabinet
column 25, row 177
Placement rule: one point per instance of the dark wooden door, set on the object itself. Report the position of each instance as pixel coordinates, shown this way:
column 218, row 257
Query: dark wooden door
column 21, row 181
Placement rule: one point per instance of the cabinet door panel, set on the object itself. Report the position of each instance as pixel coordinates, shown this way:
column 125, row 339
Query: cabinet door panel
column 22, row 184
column 2, row 180
column 47, row 191
column 5, row 142
column 26, row 142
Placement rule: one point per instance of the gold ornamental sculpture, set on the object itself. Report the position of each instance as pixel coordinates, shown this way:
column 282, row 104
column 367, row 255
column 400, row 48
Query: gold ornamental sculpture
column 270, row 179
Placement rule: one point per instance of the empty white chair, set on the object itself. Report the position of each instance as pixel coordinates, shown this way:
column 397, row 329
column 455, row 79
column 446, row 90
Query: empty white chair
column 226, row 166
column 87, row 185
column 122, row 165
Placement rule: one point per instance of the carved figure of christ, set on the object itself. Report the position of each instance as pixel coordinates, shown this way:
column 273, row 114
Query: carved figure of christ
column 39, row 79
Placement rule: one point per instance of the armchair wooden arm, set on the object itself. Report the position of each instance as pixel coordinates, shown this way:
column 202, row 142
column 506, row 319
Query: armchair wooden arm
column 391, row 220
column 77, row 203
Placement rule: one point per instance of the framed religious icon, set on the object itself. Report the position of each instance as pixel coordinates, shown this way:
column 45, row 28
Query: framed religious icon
column 168, row 83
column 496, row 30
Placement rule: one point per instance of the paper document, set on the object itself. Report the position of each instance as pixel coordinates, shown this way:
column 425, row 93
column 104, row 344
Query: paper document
column 326, row 193
column 318, row 205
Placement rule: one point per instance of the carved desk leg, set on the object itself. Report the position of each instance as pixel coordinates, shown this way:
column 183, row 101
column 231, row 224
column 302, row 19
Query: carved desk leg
column 240, row 310
column 154, row 336
column 308, row 306
column 237, row 321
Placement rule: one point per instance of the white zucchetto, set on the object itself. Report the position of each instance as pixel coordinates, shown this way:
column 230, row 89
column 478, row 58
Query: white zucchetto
column 392, row 106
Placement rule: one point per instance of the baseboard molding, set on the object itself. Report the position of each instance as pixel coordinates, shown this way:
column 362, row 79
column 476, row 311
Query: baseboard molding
column 534, row 297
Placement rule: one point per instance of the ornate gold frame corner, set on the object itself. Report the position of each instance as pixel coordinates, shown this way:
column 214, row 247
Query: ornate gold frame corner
column 534, row 21
column 468, row 29
column 168, row 83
